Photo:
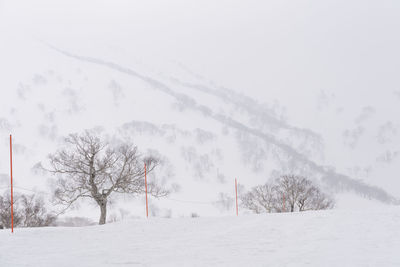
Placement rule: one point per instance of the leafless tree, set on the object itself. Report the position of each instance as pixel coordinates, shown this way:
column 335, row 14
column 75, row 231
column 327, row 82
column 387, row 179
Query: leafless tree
column 224, row 202
column 5, row 211
column 288, row 193
column 34, row 213
column 29, row 211
column 300, row 192
column 319, row 201
column 261, row 198
column 90, row 168
column 292, row 188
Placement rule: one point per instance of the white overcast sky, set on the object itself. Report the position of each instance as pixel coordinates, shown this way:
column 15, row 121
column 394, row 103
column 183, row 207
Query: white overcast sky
column 249, row 45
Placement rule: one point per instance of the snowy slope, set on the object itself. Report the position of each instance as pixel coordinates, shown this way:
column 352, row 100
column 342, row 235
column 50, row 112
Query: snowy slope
column 251, row 96
column 325, row 238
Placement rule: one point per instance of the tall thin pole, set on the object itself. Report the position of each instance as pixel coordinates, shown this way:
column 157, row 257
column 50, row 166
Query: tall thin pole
column 237, row 210
column 12, row 200
column 145, row 182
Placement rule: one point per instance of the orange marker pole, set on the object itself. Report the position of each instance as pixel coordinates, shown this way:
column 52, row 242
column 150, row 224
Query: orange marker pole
column 145, row 182
column 12, row 200
column 237, row 210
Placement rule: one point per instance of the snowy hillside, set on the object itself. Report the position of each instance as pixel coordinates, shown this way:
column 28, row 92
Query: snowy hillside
column 250, row 96
column 323, row 238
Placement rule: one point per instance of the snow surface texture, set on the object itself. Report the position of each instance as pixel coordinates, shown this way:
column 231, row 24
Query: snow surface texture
column 321, row 238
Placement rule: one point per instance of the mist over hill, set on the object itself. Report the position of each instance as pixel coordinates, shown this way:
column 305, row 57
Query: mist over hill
column 214, row 104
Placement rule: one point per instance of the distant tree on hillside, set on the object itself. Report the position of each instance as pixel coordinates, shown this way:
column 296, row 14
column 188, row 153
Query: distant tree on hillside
column 75, row 222
column 288, row 193
column 90, row 168
column 224, row 202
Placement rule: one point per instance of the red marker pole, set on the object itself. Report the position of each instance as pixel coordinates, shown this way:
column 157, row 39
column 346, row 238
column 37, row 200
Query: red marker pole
column 145, row 182
column 237, row 210
column 12, row 200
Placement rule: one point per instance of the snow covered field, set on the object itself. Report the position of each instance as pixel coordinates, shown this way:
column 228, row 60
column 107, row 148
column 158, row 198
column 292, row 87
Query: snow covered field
column 323, row 238
column 217, row 91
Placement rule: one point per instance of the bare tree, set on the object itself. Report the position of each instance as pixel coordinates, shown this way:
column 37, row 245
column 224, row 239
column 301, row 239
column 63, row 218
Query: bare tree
column 301, row 192
column 288, row 193
column 319, row 201
column 34, row 213
column 91, row 168
column 291, row 188
column 5, row 211
column 306, row 195
column 224, row 202
column 29, row 211
column 261, row 198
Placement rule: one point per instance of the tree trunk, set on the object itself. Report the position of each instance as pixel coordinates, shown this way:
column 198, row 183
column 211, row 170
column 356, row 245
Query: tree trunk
column 103, row 211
